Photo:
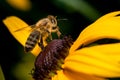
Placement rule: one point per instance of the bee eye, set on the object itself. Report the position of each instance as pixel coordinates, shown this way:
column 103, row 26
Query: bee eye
column 53, row 21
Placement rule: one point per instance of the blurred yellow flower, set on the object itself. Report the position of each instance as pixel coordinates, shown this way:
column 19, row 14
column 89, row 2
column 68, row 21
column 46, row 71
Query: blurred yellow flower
column 1, row 74
column 23, row 5
column 97, row 62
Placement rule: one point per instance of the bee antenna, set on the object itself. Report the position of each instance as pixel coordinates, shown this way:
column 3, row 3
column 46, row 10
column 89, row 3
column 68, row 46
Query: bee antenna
column 61, row 19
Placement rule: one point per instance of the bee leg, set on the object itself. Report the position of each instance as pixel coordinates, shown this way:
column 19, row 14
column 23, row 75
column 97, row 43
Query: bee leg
column 58, row 33
column 49, row 34
column 41, row 43
column 56, row 29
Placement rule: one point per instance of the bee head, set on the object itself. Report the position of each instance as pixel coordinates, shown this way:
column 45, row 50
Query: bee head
column 52, row 19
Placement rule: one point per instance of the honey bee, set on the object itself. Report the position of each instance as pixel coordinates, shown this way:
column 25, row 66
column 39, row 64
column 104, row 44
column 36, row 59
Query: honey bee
column 41, row 31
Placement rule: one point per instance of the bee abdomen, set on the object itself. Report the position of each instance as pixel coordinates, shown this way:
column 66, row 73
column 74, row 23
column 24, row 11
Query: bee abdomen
column 32, row 40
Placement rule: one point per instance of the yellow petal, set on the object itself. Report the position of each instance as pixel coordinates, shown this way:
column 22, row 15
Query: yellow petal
column 69, row 75
column 101, row 60
column 14, row 24
column 20, row 4
column 1, row 74
column 60, row 75
column 107, row 26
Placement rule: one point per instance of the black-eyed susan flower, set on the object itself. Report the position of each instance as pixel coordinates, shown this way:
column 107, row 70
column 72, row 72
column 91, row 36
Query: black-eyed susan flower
column 85, row 62
column 23, row 5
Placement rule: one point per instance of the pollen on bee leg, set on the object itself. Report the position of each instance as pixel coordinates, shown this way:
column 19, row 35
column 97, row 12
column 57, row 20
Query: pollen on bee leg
column 59, row 34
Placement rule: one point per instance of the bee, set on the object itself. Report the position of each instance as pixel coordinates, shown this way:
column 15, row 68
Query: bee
column 41, row 31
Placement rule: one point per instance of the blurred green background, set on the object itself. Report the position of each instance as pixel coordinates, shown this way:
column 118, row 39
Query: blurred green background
column 14, row 63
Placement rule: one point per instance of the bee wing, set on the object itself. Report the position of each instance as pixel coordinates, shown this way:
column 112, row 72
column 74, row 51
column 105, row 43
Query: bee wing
column 32, row 26
column 32, row 40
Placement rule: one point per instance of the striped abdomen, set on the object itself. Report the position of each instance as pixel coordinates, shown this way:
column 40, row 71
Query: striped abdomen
column 32, row 40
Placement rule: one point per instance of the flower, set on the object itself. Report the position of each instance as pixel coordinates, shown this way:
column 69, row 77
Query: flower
column 84, row 62
column 23, row 5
